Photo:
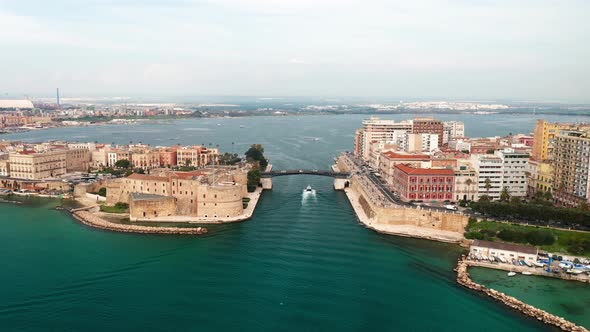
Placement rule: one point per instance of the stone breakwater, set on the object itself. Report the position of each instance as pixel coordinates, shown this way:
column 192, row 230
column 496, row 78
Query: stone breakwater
column 464, row 279
column 90, row 219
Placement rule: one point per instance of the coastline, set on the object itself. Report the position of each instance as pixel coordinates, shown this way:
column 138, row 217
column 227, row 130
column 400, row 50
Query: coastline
column 399, row 230
column 464, row 280
column 90, row 219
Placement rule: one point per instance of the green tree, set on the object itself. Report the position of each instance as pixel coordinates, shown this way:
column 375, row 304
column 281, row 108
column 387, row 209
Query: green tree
column 504, row 195
column 253, row 179
column 102, row 192
column 123, row 163
column 256, row 154
column 229, row 159
column 488, row 186
column 468, row 182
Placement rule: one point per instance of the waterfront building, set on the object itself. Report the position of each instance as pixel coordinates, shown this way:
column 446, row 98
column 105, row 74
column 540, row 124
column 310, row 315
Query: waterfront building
column 428, row 184
column 145, row 159
column 197, row 156
column 412, row 142
column 544, row 138
column 540, row 177
column 484, row 145
column 16, row 104
column 466, row 186
column 376, row 149
column 508, row 251
column 429, row 126
column 489, row 175
column 389, row 159
column 33, row 165
column 377, row 130
column 452, row 130
column 168, row 156
column 4, row 168
column 571, row 160
column 514, row 171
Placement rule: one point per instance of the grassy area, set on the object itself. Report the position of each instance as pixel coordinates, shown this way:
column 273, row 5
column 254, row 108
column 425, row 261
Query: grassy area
column 117, row 208
column 572, row 242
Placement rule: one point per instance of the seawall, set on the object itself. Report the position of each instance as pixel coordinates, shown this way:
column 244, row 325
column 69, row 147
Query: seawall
column 90, row 219
column 378, row 214
column 464, row 280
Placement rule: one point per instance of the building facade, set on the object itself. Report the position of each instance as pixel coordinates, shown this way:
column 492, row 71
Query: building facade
column 571, row 160
column 428, row 184
column 37, row 165
column 429, row 126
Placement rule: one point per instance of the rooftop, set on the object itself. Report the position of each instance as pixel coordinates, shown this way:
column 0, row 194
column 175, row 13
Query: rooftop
column 147, row 197
column 505, row 246
column 424, row 171
column 394, row 155
column 136, row 176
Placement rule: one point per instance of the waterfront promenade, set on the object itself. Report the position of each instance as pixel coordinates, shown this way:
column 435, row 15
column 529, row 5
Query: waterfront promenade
column 538, row 271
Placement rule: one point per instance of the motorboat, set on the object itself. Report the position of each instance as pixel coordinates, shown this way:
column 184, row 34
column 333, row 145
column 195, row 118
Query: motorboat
column 574, row 271
column 511, row 274
column 308, row 189
column 538, row 264
column 526, row 273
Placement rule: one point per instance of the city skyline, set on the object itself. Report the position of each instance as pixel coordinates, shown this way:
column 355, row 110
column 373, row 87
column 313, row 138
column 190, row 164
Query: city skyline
column 481, row 50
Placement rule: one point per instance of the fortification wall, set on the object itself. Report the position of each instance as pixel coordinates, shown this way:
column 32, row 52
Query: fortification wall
column 146, row 209
column 401, row 215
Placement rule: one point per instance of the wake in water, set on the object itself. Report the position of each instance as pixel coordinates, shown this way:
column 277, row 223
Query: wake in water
column 308, row 194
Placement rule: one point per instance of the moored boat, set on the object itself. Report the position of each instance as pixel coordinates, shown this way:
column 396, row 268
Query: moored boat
column 526, row 273
column 511, row 274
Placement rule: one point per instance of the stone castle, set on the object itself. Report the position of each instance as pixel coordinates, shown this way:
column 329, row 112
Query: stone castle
column 206, row 193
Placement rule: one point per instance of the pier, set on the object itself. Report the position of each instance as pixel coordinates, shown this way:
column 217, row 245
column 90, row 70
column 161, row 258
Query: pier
column 338, row 175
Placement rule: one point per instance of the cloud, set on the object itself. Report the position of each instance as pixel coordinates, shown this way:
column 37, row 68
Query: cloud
column 296, row 61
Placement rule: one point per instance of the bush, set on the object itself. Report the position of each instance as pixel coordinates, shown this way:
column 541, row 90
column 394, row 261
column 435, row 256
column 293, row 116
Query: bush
column 540, row 237
column 102, row 192
column 474, row 235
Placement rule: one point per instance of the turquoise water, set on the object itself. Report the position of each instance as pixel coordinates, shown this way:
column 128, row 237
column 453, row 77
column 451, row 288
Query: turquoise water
column 562, row 298
column 298, row 265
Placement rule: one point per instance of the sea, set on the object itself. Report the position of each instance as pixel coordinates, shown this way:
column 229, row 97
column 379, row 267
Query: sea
column 300, row 264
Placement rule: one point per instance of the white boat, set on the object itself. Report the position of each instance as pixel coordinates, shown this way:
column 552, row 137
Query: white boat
column 511, row 274
column 574, row 271
column 538, row 264
column 309, row 191
column 526, row 273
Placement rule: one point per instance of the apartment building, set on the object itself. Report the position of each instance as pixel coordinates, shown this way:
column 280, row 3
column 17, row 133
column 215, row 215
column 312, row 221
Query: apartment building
column 571, row 160
column 34, row 165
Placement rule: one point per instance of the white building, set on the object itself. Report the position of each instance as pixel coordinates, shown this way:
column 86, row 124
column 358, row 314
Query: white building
column 377, row 130
column 453, row 129
column 459, row 145
column 418, row 142
column 507, row 251
column 514, row 171
column 489, row 175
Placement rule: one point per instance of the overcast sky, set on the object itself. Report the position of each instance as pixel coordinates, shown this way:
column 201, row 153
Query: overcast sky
column 456, row 49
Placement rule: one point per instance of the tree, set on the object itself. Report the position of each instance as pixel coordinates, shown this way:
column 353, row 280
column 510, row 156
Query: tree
column 515, row 200
column 488, row 186
column 253, row 179
column 468, row 182
column 504, row 195
column 123, row 163
column 102, row 192
column 584, row 206
column 187, row 162
column 229, row 159
column 256, row 154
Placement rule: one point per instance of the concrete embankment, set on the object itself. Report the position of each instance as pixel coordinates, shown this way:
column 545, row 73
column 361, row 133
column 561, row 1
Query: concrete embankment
column 533, row 270
column 464, row 279
column 90, row 219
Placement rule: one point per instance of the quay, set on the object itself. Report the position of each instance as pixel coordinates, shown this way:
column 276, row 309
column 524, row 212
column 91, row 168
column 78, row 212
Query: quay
column 91, row 219
column 538, row 271
column 464, row 280
column 377, row 209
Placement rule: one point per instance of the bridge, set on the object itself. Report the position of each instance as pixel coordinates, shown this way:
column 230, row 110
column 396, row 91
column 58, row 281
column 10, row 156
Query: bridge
column 338, row 175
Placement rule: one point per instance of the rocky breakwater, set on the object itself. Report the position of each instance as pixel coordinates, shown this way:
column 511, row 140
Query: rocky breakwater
column 91, row 219
column 464, row 279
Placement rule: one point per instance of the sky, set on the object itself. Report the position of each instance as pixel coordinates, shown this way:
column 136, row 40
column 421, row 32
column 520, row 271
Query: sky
column 525, row 50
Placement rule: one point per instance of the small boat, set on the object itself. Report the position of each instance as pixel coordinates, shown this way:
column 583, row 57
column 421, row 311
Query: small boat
column 308, row 189
column 526, row 273
column 574, row 271
column 538, row 264
column 511, row 274
column 528, row 264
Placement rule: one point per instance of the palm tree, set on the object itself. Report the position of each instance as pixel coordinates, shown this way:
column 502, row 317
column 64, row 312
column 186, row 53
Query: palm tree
column 468, row 182
column 488, row 186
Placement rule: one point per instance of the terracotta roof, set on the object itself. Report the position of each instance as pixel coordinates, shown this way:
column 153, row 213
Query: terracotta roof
column 136, row 176
column 424, row 171
column 505, row 246
column 393, row 155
